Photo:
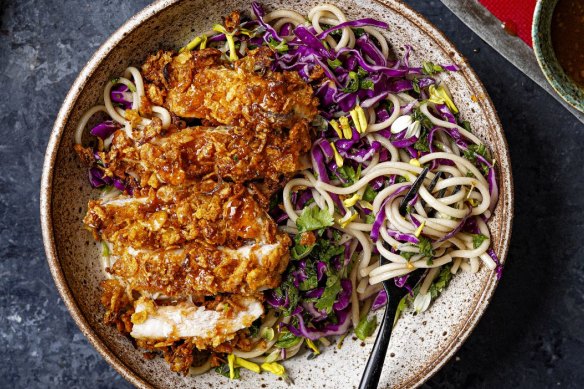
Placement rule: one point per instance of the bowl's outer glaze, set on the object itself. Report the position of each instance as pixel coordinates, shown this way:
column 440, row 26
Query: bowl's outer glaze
column 420, row 344
column 541, row 35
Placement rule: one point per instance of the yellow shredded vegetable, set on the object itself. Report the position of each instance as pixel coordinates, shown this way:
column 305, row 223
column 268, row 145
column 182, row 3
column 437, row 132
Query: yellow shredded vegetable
column 362, row 118
column 338, row 158
column 438, row 95
column 352, row 200
column 274, row 368
column 419, row 229
column 415, row 162
column 200, row 40
column 247, row 365
column 348, row 218
column 335, row 125
column 345, row 127
column 231, row 362
column 230, row 42
column 312, row 346
column 355, row 117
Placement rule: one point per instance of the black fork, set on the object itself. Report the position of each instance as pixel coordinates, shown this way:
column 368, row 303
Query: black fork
column 372, row 372
column 370, row 378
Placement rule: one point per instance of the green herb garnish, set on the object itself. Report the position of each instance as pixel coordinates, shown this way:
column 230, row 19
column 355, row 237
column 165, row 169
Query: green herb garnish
column 287, row 340
column 430, row 68
column 313, row 218
column 366, row 327
column 478, row 239
column 329, row 296
column 224, row 371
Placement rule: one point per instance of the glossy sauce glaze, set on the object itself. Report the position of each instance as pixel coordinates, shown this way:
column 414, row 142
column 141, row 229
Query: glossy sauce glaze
column 568, row 37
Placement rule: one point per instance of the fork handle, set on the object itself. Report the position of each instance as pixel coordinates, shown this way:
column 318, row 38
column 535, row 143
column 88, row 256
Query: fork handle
column 370, row 378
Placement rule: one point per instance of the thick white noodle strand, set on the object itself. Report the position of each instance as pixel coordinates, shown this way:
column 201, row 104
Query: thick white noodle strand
column 84, row 119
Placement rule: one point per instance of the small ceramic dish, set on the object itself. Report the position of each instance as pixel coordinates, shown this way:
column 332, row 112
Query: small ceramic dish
column 420, row 344
column 571, row 92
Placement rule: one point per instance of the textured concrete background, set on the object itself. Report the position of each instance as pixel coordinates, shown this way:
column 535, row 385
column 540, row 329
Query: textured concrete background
column 531, row 336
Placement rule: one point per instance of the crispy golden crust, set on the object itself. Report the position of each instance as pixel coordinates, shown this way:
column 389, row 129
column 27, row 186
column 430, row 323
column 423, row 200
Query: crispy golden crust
column 200, row 84
column 201, row 269
column 233, row 153
column 216, row 214
column 183, row 241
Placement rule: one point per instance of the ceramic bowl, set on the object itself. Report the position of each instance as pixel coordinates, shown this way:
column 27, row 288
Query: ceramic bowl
column 571, row 92
column 420, row 345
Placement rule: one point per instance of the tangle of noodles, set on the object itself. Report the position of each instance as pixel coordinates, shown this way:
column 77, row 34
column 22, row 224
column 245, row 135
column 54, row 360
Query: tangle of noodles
column 359, row 178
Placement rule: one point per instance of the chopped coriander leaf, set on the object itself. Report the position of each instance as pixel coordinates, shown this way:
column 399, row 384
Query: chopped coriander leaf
column 325, row 250
column 300, row 251
column 311, row 281
column 425, row 247
column 466, row 125
column 280, row 47
column 357, row 31
column 369, row 194
column 349, row 174
column 423, row 119
column 362, row 72
column 366, row 327
column 287, row 340
column 313, row 218
column 430, row 68
column 407, row 254
column 416, row 85
column 334, row 64
column 329, row 296
column 441, row 282
column 288, row 289
column 224, row 371
column 422, row 143
column 473, row 150
column 353, row 84
column 370, row 219
column 366, row 84
column 478, row 239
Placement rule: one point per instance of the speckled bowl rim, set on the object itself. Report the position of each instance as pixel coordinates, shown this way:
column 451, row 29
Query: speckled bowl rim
column 54, row 143
column 549, row 64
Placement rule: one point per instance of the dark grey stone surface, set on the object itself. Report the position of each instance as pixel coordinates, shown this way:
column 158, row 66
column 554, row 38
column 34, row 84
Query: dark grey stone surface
column 532, row 334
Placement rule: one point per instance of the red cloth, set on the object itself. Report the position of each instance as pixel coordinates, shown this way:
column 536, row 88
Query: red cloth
column 517, row 15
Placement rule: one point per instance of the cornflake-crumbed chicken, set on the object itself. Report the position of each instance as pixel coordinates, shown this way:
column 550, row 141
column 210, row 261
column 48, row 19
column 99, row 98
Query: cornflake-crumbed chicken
column 246, row 93
column 192, row 248
column 198, row 240
column 208, row 327
column 232, row 153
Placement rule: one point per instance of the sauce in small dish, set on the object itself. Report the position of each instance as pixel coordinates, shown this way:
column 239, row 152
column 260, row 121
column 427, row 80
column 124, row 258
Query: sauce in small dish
column 567, row 33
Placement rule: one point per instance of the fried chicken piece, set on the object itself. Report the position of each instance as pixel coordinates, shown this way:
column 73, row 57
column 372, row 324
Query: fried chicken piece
column 246, row 93
column 198, row 240
column 205, row 325
column 233, row 153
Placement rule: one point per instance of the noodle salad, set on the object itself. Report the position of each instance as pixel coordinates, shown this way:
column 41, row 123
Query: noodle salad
column 383, row 123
